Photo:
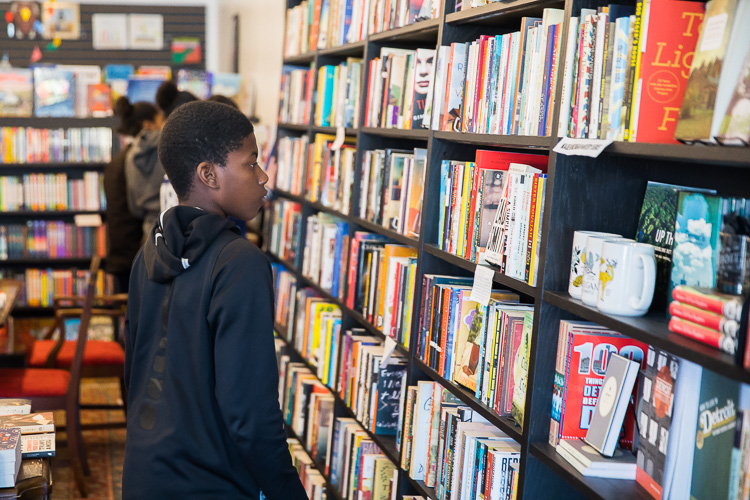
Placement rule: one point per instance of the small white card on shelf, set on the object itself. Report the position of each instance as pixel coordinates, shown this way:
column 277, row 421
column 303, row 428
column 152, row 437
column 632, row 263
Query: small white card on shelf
column 388, row 348
column 87, row 220
column 339, row 141
column 581, row 147
column 482, row 287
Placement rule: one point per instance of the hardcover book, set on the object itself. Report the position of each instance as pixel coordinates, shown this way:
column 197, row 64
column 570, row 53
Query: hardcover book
column 99, row 100
column 54, row 92
column 590, row 463
column 16, row 92
column 696, row 113
column 664, row 67
column 614, row 397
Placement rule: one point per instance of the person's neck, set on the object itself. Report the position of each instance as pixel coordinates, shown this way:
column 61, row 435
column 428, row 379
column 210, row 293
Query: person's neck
column 202, row 203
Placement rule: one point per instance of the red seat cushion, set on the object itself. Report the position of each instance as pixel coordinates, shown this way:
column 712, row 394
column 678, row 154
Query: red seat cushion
column 97, row 353
column 33, row 382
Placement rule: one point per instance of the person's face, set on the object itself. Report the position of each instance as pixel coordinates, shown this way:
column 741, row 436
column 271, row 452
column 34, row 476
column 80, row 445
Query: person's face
column 424, row 71
column 242, row 181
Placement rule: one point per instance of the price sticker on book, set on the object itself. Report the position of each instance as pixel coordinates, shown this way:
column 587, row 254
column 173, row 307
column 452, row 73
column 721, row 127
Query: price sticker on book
column 482, row 287
column 581, row 147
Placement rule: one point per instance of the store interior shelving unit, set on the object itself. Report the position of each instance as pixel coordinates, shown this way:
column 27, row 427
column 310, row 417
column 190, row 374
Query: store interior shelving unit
column 602, row 194
column 178, row 21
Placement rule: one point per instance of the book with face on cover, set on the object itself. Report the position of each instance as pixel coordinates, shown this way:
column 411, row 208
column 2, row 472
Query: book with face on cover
column 614, row 396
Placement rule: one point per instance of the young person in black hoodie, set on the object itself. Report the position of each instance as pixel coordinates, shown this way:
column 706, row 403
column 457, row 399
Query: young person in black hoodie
column 203, row 412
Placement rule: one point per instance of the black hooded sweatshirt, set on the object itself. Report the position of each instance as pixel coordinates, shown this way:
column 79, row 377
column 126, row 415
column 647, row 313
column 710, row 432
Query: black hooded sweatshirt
column 203, row 409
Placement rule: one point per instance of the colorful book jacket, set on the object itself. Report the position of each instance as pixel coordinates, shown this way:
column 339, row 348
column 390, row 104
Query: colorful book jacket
column 16, row 92
column 655, row 405
column 54, row 92
column 664, row 67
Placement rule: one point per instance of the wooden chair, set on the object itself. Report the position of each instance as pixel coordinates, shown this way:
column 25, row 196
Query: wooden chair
column 52, row 389
column 101, row 359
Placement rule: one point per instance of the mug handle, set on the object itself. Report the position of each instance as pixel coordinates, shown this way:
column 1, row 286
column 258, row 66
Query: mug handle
column 649, row 281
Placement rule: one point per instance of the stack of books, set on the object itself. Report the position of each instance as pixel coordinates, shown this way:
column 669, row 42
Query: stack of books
column 589, row 462
column 37, row 433
column 10, row 456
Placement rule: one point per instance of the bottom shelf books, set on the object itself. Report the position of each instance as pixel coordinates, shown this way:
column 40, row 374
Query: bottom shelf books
column 341, row 447
column 453, row 449
column 312, row 480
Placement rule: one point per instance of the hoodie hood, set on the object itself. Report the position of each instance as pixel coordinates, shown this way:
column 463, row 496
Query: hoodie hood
column 179, row 239
column 145, row 148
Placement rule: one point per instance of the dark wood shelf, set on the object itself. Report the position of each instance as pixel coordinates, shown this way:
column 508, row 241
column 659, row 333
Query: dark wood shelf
column 397, row 133
column 349, row 49
column 305, row 58
column 49, row 213
column 294, row 126
column 505, row 424
column 52, row 165
column 509, row 141
column 698, row 153
column 289, row 196
column 390, row 233
column 386, row 443
column 290, row 266
column 46, row 261
column 422, row 488
column 591, row 487
column 421, row 31
column 27, row 311
column 493, row 13
column 332, row 130
column 652, row 329
column 55, row 122
column 512, row 283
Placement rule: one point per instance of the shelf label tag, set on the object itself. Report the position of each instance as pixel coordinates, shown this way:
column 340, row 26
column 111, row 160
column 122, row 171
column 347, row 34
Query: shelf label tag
column 388, row 348
column 339, row 141
column 482, row 287
column 581, row 147
column 87, row 220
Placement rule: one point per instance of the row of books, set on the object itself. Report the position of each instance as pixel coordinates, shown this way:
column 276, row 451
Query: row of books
column 392, row 189
column 49, row 90
column 329, row 172
column 292, row 157
column 350, row 458
column 23, row 435
column 491, row 210
column 463, row 5
column 311, row 478
column 626, row 79
column 285, row 227
column 337, row 100
column 39, row 145
column 381, row 284
column 42, row 285
column 319, row 24
column 49, row 192
column 285, row 298
column 51, row 239
column 502, row 84
column 326, row 252
column 317, row 334
column 454, row 449
column 297, row 91
column 400, row 82
column 484, row 348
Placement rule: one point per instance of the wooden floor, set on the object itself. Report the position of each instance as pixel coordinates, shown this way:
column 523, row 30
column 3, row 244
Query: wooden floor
column 105, row 447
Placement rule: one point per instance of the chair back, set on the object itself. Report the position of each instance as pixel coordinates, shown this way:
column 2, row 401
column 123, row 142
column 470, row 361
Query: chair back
column 83, row 330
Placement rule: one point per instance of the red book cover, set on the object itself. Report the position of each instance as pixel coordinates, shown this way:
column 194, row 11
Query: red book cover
column 665, row 67
column 704, row 318
column 100, row 100
column 702, row 334
column 586, row 364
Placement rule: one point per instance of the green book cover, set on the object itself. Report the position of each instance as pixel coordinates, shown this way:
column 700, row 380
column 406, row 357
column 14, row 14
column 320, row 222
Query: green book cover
column 714, row 437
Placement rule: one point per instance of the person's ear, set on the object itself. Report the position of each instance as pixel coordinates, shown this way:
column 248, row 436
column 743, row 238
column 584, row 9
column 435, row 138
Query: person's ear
column 207, row 174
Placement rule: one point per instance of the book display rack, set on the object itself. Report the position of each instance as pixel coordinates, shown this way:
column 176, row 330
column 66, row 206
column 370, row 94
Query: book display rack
column 597, row 194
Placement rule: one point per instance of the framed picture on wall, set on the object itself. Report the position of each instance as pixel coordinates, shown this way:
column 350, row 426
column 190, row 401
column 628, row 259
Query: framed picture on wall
column 61, row 20
column 146, row 31
column 109, row 31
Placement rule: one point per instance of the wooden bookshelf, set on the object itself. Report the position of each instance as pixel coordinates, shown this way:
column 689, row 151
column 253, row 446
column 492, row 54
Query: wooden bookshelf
column 602, row 194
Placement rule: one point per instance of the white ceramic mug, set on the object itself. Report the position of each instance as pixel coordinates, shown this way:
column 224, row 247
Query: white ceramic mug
column 591, row 258
column 627, row 274
column 577, row 258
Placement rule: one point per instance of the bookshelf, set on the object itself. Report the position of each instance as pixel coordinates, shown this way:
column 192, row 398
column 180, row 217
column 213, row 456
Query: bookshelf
column 602, row 194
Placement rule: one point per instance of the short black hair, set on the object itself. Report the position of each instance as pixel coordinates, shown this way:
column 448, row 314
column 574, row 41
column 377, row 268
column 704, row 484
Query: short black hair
column 132, row 116
column 169, row 97
column 197, row 132
column 223, row 100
